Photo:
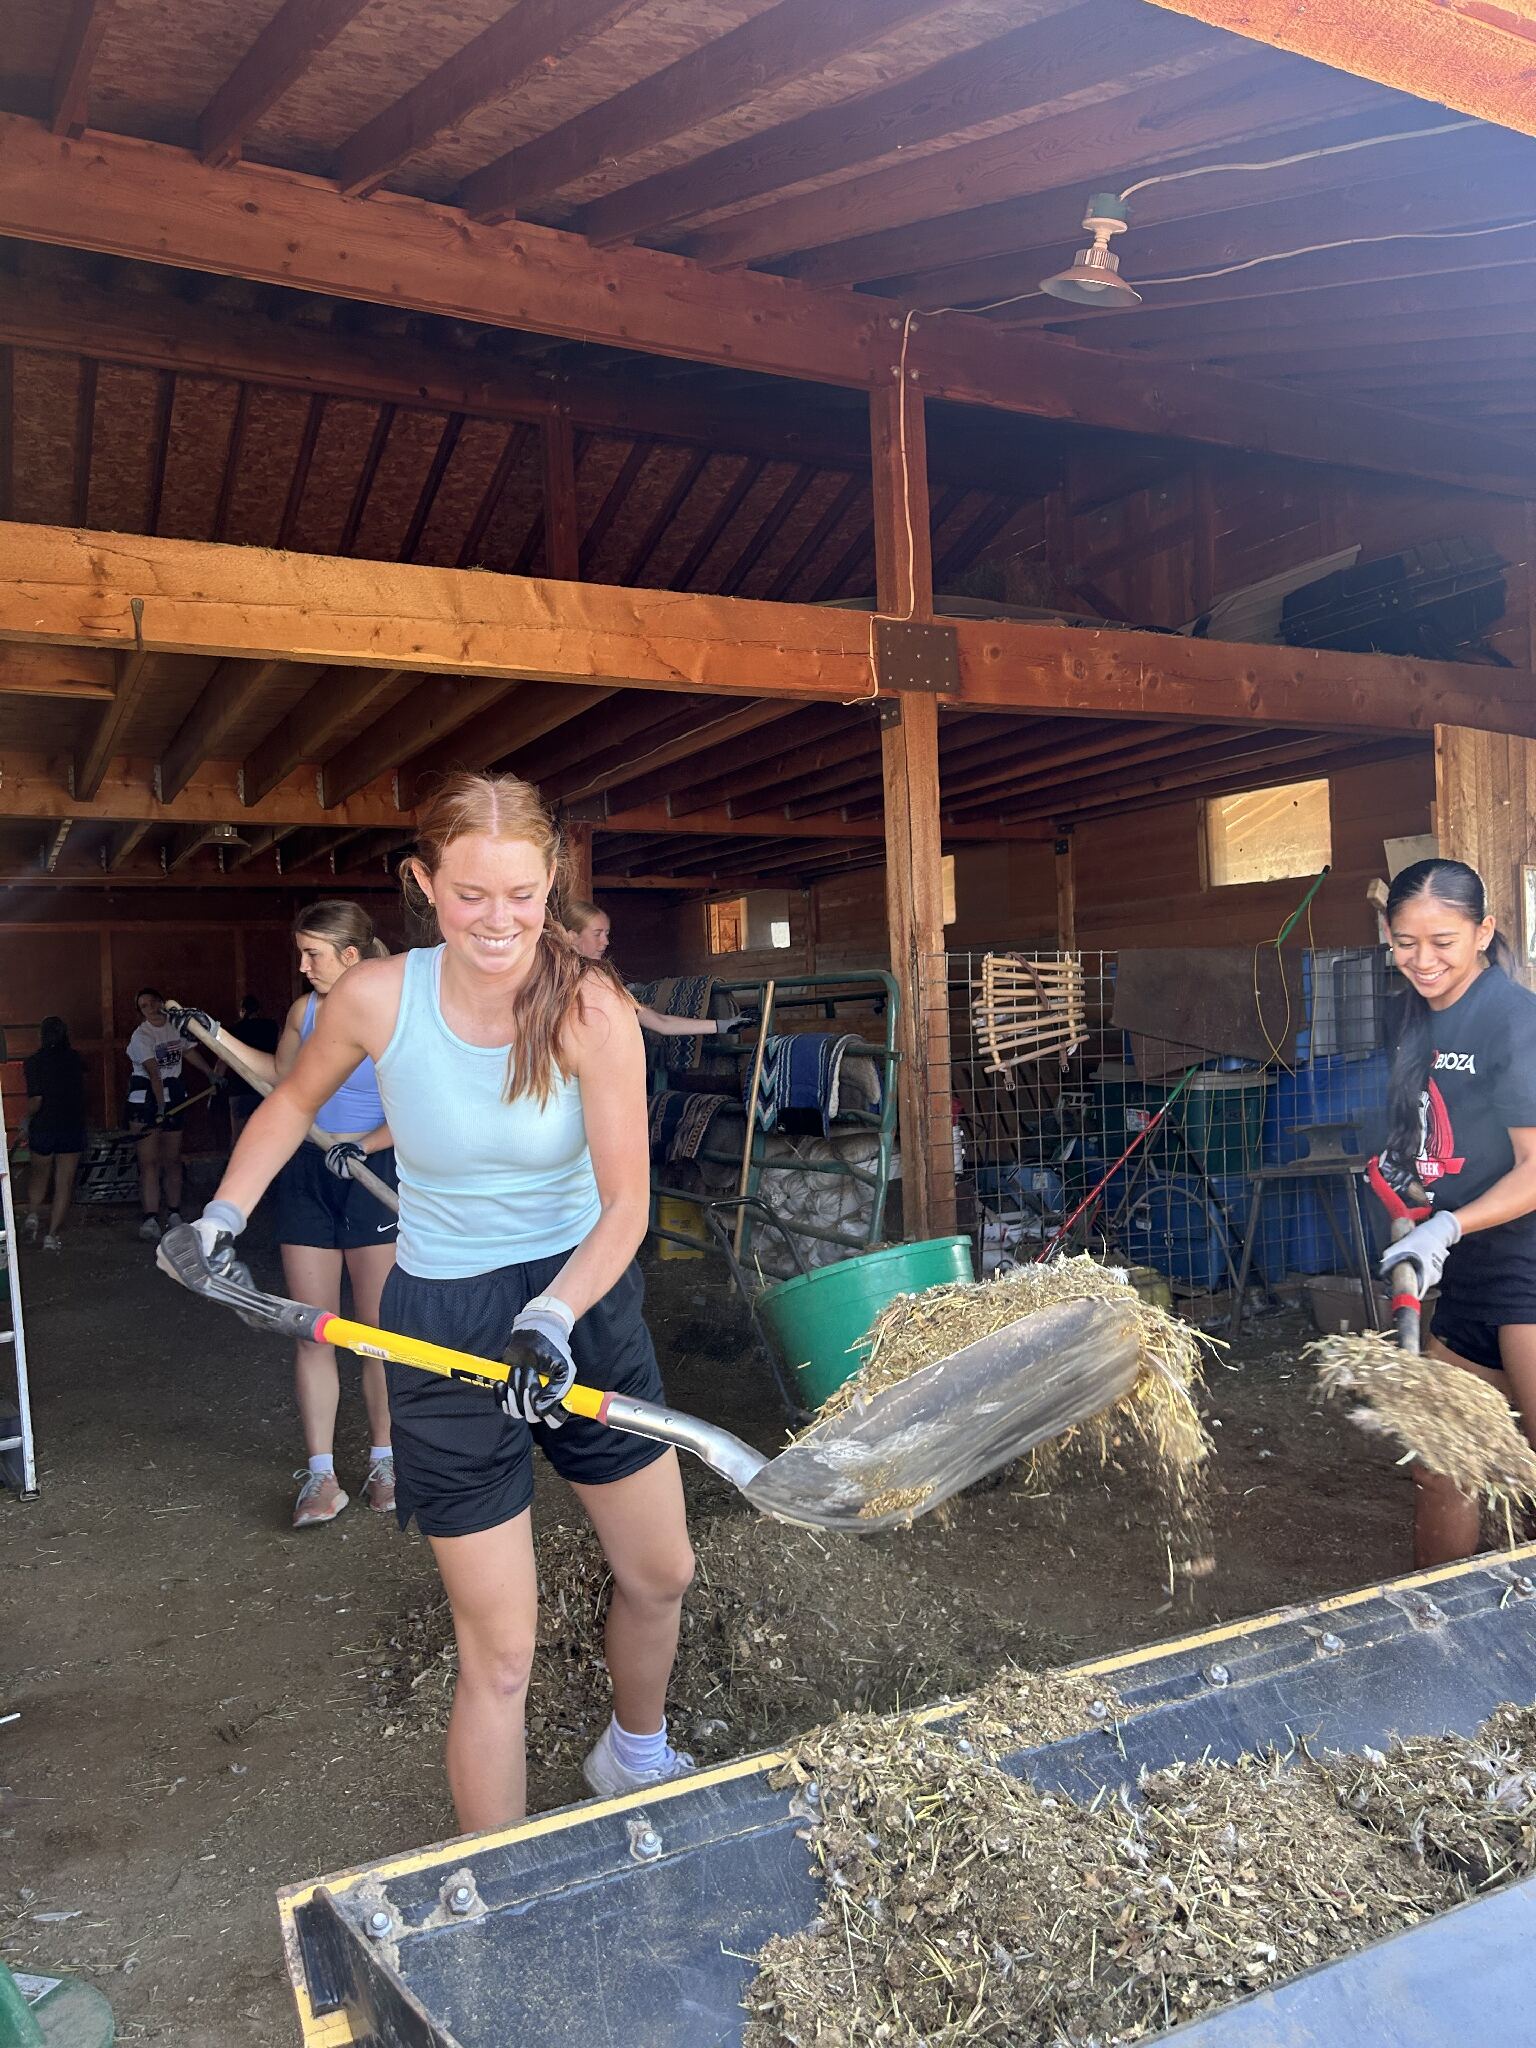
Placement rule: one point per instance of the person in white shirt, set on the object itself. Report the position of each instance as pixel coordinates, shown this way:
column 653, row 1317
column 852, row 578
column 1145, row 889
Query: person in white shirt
column 157, row 1052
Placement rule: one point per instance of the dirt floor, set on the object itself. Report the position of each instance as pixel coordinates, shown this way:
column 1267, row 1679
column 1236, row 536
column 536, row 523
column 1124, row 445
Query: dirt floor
column 213, row 1704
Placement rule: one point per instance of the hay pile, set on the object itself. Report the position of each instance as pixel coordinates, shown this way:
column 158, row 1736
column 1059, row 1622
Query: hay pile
column 1446, row 1419
column 782, row 1627
column 1468, row 1808
column 1157, row 1427
column 962, row 1905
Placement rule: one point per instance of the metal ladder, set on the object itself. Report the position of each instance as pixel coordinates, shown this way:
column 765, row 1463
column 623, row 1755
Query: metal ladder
column 16, row 1335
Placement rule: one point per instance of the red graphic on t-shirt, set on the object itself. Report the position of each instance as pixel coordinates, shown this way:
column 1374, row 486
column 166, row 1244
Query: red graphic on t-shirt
column 1437, row 1138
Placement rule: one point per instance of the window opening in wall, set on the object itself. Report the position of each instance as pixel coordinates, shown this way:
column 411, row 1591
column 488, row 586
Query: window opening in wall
column 948, row 867
column 1268, row 835
column 758, row 922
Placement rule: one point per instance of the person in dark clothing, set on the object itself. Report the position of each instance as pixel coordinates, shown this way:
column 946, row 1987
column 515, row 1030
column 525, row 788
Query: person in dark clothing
column 1462, row 1153
column 258, row 1029
column 55, row 1078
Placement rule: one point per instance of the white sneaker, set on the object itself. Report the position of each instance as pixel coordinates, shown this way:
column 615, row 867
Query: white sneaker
column 150, row 1230
column 29, row 1230
column 52, row 1243
column 605, row 1774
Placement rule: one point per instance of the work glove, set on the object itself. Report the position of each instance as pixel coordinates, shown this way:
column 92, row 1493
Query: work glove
column 216, row 1230
column 341, row 1156
column 219, row 1084
column 540, row 1343
column 1426, row 1248
column 735, row 1022
column 179, row 1015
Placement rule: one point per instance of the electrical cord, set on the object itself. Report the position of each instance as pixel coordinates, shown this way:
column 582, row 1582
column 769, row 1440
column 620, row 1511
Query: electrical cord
column 1305, row 156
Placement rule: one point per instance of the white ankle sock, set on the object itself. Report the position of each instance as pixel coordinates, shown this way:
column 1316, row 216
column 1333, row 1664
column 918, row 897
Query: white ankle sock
column 324, row 1462
column 638, row 1752
column 378, row 1451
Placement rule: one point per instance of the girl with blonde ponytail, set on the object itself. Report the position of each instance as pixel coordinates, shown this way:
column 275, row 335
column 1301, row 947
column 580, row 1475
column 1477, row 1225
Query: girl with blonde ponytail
column 513, row 1079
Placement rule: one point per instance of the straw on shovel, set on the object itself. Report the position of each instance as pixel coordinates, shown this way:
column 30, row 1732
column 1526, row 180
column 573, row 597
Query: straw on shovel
column 365, row 1177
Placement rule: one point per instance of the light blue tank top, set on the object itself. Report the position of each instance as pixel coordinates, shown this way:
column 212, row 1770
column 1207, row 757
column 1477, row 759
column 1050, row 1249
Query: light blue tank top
column 355, row 1106
column 483, row 1182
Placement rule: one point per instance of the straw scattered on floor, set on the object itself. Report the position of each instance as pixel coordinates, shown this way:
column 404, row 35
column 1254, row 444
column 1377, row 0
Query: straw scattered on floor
column 1444, row 1418
column 961, row 1904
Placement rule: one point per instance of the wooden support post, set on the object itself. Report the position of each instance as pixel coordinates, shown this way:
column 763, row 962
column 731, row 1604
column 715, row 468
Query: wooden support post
column 1485, row 814
column 562, row 531
column 577, row 834
column 914, row 878
column 1066, row 896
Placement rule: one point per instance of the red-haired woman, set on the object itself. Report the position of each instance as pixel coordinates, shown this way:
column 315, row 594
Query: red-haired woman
column 512, row 1078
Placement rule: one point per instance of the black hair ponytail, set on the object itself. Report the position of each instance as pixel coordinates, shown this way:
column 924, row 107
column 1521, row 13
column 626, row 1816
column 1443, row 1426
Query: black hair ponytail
column 1451, row 882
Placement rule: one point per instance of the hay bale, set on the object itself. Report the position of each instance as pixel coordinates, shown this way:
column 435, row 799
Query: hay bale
column 1448, row 1420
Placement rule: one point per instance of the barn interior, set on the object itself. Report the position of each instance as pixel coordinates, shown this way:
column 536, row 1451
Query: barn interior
column 668, row 401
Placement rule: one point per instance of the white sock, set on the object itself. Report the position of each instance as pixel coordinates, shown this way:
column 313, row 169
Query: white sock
column 324, row 1462
column 638, row 1752
column 378, row 1451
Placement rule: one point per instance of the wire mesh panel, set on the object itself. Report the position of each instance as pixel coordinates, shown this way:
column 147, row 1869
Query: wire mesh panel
column 1231, row 1137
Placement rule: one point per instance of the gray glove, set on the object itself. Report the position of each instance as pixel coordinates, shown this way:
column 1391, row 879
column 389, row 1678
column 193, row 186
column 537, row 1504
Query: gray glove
column 181, row 1015
column 1426, row 1248
column 541, row 1370
column 339, row 1157
column 216, row 1230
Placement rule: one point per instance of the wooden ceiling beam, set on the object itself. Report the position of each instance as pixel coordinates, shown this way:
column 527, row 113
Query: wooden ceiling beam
column 715, row 525
column 528, row 42
column 1093, row 44
column 233, row 689
column 299, row 32
column 124, row 842
column 431, row 484
column 632, row 717
column 63, row 673
column 35, row 788
column 618, row 769
column 614, row 500
column 772, row 49
column 1231, row 782
column 434, row 710
column 1507, row 339
column 263, row 839
column 853, row 492
column 83, row 31
column 767, row 530
column 130, row 686
column 63, row 588
column 524, row 716
column 853, row 231
column 1261, row 756
column 819, row 738
column 146, row 200
column 719, row 823
column 333, row 701
column 1114, row 767
column 666, row 514
column 84, row 437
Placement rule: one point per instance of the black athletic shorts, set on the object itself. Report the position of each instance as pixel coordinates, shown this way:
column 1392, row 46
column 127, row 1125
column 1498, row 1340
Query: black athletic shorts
column 45, row 1142
column 463, row 1464
column 142, row 1107
column 1489, row 1283
column 316, row 1207
column 1470, row 1334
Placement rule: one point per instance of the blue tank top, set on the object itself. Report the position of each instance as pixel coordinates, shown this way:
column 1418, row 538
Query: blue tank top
column 356, row 1105
column 483, row 1182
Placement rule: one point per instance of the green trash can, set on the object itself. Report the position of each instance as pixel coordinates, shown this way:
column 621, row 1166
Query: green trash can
column 52, row 2012
column 817, row 1319
column 1224, row 1120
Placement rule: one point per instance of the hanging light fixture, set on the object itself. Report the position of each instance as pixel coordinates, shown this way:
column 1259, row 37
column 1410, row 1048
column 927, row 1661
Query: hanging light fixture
column 1093, row 276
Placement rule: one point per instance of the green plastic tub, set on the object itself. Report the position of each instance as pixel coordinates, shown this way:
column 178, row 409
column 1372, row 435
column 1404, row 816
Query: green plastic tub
column 817, row 1320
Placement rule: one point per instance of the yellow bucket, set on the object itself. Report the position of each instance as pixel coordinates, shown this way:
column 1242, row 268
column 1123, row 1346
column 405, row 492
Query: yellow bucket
column 673, row 1213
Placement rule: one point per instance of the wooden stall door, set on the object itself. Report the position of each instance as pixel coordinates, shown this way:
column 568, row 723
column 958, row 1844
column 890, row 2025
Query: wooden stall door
column 1485, row 795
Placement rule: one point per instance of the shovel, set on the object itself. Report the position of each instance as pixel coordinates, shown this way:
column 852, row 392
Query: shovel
column 879, row 1464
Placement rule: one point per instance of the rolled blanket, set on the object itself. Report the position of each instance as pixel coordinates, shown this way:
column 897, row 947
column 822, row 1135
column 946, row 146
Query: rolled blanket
column 803, row 1072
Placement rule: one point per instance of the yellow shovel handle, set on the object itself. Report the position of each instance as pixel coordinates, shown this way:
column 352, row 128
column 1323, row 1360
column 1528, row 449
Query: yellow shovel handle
column 438, row 1358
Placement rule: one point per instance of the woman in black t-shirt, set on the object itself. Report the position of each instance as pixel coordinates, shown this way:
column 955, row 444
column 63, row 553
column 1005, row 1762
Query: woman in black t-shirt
column 55, row 1077
column 1463, row 1143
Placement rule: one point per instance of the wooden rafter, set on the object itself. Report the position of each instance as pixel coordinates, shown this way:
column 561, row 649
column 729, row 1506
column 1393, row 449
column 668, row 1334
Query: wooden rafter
column 816, row 739
column 512, row 452
column 130, row 687
column 299, row 32
column 561, row 519
column 436, row 707
column 86, row 26
column 519, row 719
column 251, row 604
column 890, row 219
column 85, row 430
column 378, row 441
column 1097, row 44
column 7, row 432
column 432, row 483
column 716, row 524
column 64, row 673
column 666, row 512
column 527, row 42
column 232, row 458
column 225, row 699
column 124, row 842
column 782, row 43
column 335, row 700
column 809, row 550
column 618, row 491
column 147, row 200
column 767, row 531
column 618, row 766
column 33, row 789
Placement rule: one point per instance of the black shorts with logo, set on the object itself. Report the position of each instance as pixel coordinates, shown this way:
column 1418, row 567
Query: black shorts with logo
column 462, row 1464
column 316, row 1207
column 1489, row 1283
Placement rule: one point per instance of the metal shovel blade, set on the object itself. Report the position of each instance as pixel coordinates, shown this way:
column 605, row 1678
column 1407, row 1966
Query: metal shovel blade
column 904, row 1450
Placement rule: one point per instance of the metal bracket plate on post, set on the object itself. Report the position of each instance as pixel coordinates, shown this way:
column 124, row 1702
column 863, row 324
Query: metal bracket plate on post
column 912, row 654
